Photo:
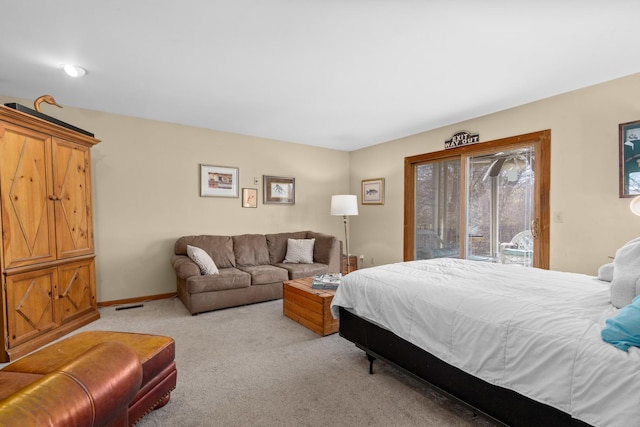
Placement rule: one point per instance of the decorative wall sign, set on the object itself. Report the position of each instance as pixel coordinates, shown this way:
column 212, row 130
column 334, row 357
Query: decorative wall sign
column 461, row 138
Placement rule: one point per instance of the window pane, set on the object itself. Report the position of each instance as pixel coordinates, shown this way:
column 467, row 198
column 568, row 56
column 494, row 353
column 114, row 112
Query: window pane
column 437, row 215
column 500, row 206
column 480, row 208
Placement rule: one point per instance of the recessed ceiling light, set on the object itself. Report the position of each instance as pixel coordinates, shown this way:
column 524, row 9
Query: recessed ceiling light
column 74, row 70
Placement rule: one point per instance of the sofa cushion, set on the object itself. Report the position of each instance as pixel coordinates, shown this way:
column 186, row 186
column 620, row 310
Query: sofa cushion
column 219, row 248
column 297, row 271
column 299, row 251
column 250, row 249
column 227, row 278
column 324, row 246
column 265, row 274
column 277, row 244
column 202, row 260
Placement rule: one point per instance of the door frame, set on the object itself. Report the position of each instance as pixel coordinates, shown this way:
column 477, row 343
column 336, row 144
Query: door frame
column 541, row 141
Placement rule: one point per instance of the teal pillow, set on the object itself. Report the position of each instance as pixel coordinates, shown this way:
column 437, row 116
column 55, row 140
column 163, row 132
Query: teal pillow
column 623, row 330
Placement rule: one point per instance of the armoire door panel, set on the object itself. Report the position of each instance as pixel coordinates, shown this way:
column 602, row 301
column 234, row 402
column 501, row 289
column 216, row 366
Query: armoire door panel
column 25, row 189
column 76, row 294
column 72, row 189
column 30, row 306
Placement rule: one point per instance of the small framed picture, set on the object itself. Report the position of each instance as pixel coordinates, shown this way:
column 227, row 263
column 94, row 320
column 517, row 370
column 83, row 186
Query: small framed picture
column 629, row 154
column 279, row 190
column 372, row 191
column 218, row 181
column 249, row 197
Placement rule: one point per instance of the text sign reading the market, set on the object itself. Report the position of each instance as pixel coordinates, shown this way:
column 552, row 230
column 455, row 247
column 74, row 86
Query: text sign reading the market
column 461, row 138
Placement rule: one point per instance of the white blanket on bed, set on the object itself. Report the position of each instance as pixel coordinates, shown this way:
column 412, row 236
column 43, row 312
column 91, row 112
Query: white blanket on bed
column 530, row 330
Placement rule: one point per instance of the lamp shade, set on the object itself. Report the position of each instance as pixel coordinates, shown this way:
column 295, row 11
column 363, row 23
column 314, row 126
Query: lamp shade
column 635, row 205
column 344, row 204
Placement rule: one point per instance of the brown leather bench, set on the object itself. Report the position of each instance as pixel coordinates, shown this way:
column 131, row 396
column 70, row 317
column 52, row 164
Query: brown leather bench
column 93, row 390
column 156, row 355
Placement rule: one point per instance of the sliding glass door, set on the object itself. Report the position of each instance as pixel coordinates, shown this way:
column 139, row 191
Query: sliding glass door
column 487, row 201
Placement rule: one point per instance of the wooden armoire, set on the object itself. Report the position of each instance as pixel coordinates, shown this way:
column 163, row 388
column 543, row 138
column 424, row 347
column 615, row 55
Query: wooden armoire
column 47, row 258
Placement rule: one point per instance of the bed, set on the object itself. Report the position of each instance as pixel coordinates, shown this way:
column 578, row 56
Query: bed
column 522, row 345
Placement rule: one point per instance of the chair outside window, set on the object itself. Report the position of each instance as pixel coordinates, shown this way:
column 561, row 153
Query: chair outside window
column 519, row 250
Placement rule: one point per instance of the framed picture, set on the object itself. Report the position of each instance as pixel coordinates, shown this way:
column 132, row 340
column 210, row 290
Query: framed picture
column 249, row 197
column 629, row 154
column 218, row 181
column 279, row 190
column 372, row 191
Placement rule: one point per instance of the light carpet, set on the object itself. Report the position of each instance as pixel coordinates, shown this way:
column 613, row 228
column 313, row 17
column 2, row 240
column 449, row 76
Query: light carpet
column 252, row 366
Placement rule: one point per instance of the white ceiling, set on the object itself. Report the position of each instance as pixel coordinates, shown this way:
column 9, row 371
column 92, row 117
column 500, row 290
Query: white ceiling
column 342, row 74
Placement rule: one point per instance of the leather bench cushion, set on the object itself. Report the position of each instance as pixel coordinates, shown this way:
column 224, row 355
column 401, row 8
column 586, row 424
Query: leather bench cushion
column 227, row 278
column 297, row 271
column 155, row 352
column 93, row 389
column 265, row 274
column 250, row 249
column 277, row 244
column 219, row 248
column 11, row 382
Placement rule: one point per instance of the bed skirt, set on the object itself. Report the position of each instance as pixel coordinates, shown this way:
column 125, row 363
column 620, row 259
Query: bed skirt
column 502, row 404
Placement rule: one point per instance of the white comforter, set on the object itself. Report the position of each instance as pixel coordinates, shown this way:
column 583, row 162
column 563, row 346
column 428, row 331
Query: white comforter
column 530, row 330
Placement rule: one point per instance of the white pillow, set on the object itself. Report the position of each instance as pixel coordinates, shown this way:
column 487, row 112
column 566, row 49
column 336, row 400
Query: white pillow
column 626, row 274
column 299, row 251
column 605, row 272
column 202, row 259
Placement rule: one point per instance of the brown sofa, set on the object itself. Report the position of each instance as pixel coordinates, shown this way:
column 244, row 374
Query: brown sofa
column 251, row 267
column 97, row 378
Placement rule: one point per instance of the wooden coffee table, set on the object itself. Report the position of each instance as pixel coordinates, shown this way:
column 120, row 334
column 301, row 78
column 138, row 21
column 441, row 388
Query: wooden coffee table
column 308, row 306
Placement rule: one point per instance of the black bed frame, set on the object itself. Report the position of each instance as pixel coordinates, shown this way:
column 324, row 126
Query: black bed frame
column 499, row 403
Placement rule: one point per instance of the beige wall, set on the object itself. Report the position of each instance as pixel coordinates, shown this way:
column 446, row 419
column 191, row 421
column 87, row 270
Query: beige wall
column 584, row 174
column 146, row 193
column 146, row 185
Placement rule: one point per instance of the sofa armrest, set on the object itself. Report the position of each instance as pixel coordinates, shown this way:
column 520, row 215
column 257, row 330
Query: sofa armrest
column 184, row 267
column 93, row 390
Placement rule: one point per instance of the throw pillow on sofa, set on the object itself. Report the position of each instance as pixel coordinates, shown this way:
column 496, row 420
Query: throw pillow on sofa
column 299, row 251
column 202, row 259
